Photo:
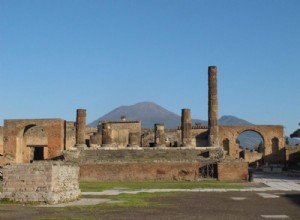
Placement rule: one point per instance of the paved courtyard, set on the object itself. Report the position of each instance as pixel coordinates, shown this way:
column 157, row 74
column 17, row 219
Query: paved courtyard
column 278, row 199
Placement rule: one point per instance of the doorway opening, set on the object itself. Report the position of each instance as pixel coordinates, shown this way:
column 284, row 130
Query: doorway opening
column 38, row 153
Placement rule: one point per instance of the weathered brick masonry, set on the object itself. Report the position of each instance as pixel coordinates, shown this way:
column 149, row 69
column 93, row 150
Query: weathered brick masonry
column 139, row 171
column 232, row 170
column 144, row 164
column 43, row 182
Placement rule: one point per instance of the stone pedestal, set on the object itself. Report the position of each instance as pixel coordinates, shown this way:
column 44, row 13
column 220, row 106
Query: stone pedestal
column 42, row 182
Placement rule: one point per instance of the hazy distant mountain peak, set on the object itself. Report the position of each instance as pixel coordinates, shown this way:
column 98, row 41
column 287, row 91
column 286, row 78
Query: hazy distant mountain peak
column 150, row 113
column 147, row 112
column 233, row 120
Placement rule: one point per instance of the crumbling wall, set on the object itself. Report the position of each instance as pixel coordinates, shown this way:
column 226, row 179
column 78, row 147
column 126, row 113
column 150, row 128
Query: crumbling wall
column 232, row 170
column 70, row 138
column 139, row 171
column 292, row 154
column 252, row 156
column 139, row 164
column 42, row 182
column 116, row 133
column 14, row 137
column 199, row 137
column 1, row 140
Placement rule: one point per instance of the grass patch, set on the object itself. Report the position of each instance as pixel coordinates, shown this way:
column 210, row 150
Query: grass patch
column 136, row 185
column 140, row 200
column 7, row 201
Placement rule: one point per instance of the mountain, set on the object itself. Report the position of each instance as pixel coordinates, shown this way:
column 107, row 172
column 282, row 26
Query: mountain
column 150, row 113
column 232, row 120
column 147, row 112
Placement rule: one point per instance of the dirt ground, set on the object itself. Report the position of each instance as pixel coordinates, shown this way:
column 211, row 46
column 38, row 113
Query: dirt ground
column 202, row 205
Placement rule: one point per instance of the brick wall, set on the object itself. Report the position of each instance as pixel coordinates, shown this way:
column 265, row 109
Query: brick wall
column 139, row 171
column 232, row 170
column 43, row 182
column 14, row 137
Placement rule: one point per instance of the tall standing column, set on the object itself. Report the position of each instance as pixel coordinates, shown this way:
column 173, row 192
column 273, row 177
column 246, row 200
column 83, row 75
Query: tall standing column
column 186, row 126
column 213, row 124
column 80, row 127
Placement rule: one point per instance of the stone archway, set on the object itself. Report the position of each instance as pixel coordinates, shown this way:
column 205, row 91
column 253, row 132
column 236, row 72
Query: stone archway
column 272, row 136
column 32, row 143
column 251, row 140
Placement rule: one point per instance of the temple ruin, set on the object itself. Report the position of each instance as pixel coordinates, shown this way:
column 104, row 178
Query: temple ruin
column 24, row 141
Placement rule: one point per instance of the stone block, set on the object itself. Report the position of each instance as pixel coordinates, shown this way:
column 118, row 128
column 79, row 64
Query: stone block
column 46, row 182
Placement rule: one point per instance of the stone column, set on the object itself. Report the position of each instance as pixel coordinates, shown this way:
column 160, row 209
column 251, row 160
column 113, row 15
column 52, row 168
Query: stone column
column 106, row 135
column 186, row 126
column 80, row 127
column 159, row 135
column 213, row 124
column 134, row 139
column 96, row 140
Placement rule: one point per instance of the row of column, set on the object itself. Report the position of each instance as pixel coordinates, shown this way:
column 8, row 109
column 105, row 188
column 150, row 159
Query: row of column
column 159, row 129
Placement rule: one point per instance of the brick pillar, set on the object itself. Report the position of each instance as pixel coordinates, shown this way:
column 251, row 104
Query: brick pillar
column 80, row 127
column 213, row 124
column 186, row 126
column 159, row 132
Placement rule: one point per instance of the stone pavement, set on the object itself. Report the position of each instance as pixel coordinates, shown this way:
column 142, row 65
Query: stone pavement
column 273, row 182
column 278, row 181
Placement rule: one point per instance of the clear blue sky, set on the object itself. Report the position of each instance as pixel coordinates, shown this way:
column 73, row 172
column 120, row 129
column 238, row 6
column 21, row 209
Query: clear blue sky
column 60, row 55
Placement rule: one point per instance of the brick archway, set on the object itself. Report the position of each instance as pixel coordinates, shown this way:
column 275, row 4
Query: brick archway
column 269, row 134
column 22, row 136
column 31, row 140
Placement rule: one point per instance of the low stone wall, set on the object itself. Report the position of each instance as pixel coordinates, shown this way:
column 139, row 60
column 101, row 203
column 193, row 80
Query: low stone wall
column 154, row 154
column 43, row 182
column 139, row 171
column 232, row 170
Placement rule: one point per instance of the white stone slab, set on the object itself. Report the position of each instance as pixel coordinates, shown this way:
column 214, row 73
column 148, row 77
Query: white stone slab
column 275, row 216
column 268, row 196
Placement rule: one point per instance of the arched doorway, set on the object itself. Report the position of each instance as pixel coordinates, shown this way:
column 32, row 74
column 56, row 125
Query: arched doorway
column 250, row 140
column 32, row 143
column 251, row 147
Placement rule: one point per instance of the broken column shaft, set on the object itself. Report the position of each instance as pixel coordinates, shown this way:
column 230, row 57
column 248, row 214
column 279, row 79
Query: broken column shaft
column 159, row 132
column 80, row 127
column 213, row 124
column 186, row 126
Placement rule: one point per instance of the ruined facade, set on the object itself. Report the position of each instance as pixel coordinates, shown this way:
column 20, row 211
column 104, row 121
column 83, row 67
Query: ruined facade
column 120, row 133
column 28, row 140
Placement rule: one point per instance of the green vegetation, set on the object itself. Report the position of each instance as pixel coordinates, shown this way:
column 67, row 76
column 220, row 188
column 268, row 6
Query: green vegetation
column 6, row 201
column 134, row 185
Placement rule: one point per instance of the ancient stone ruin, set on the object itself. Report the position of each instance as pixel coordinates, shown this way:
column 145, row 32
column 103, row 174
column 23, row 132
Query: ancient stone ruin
column 121, row 149
column 41, row 182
